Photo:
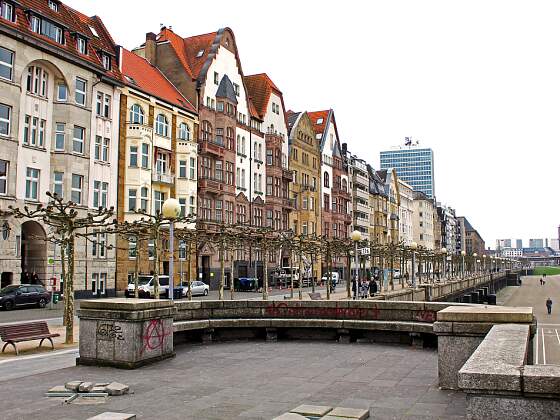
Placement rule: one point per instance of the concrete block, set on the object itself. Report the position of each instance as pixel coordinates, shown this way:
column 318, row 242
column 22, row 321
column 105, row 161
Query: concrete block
column 116, row 388
column 58, row 389
column 542, row 379
column 486, row 313
column 72, row 385
column 312, row 410
column 443, row 327
column 211, row 304
column 233, row 304
column 113, row 416
column 85, row 387
column 350, row 413
column 290, row 416
column 501, row 407
column 453, row 352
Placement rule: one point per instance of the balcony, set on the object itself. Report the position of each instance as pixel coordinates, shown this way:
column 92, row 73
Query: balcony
column 288, row 174
column 210, row 185
column 163, row 178
column 361, row 180
column 289, row 203
column 360, row 221
column 364, row 208
column 184, row 146
column 138, row 131
column 363, row 194
column 212, row 147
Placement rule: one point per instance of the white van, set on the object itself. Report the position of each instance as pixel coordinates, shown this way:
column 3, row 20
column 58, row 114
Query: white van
column 335, row 276
column 146, row 286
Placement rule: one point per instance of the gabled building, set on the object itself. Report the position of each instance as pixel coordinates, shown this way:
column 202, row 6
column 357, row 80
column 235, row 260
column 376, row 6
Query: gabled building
column 305, row 162
column 359, row 187
column 423, row 226
column 207, row 70
column 391, row 185
column 378, row 209
column 59, row 111
column 157, row 158
column 406, row 210
column 335, row 197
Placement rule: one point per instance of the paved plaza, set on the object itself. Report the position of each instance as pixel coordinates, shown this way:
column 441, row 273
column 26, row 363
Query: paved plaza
column 253, row 380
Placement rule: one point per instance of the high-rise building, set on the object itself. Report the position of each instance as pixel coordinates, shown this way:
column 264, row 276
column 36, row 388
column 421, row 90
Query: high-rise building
column 536, row 243
column 519, row 243
column 414, row 165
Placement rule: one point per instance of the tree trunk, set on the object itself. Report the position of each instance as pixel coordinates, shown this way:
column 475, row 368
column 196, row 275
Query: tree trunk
column 392, row 273
column 222, row 270
column 136, row 265
column 232, row 282
column 64, row 269
column 189, row 260
column 348, row 279
column 69, row 293
column 329, row 270
column 156, row 264
column 291, row 275
column 300, row 277
column 265, row 276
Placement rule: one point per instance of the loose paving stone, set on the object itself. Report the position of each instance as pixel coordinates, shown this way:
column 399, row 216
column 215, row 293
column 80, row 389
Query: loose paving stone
column 58, row 389
column 102, row 383
column 85, row 387
column 110, row 415
column 311, row 410
column 99, row 388
column 116, row 388
column 290, row 416
column 73, row 385
column 350, row 413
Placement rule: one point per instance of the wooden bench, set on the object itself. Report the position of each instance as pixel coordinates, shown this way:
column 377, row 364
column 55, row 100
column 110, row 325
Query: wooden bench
column 16, row 333
column 315, row 296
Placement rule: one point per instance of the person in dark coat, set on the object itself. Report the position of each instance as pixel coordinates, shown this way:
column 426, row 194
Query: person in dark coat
column 372, row 287
column 34, row 278
column 549, row 305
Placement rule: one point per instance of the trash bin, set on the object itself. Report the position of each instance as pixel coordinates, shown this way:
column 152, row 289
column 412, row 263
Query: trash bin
column 56, row 298
column 466, row 299
column 474, row 297
column 480, row 295
column 177, row 293
column 485, row 293
column 491, row 299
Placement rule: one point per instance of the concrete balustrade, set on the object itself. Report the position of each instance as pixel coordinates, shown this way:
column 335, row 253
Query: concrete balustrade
column 501, row 383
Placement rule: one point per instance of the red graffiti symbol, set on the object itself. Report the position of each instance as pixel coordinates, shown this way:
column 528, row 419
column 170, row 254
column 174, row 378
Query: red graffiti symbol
column 426, row 316
column 154, row 336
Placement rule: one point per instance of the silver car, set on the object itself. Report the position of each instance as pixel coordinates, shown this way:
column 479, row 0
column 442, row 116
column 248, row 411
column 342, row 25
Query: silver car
column 199, row 288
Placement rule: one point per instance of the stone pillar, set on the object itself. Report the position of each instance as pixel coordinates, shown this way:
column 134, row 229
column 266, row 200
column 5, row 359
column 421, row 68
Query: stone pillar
column 125, row 333
column 461, row 329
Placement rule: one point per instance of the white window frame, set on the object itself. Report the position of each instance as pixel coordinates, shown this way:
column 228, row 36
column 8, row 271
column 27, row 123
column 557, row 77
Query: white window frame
column 145, row 155
column 6, row 121
column 133, row 151
column 99, row 104
column 105, row 148
column 61, row 87
column 184, row 131
column 4, row 178
column 144, row 203
column 8, row 65
column 53, row 5
column 32, row 177
column 132, row 195
column 81, row 45
column 77, row 140
column 162, row 125
column 182, row 169
column 77, row 190
column 136, row 114
column 58, row 183
column 97, row 147
column 104, row 194
column 60, row 132
column 79, row 92
column 96, row 193
column 107, row 106
column 106, row 60
column 7, row 11
column 159, row 198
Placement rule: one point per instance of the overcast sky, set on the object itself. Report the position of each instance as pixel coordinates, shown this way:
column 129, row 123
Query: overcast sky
column 478, row 81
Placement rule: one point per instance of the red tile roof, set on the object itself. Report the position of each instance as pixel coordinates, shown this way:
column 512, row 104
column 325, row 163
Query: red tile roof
column 259, row 88
column 315, row 116
column 73, row 22
column 187, row 49
column 149, row 79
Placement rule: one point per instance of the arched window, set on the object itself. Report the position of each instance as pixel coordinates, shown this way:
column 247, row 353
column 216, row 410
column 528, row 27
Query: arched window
column 184, row 131
column 344, row 185
column 243, row 145
column 162, row 126
column 229, row 138
column 238, row 146
column 136, row 114
column 206, row 131
column 326, row 180
column 255, row 156
column 37, row 81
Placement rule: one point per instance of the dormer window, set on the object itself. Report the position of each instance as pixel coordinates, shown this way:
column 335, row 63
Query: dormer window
column 106, row 59
column 7, row 11
column 81, row 44
column 47, row 28
column 53, row 5
column 319, row 121
column 93, row 31
column 199, row 54
column 236, row 89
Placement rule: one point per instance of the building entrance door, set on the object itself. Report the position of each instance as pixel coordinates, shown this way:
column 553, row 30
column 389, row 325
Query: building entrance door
column 33, row 252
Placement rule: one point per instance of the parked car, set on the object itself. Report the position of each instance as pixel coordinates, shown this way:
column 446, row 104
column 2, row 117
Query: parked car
column 146, row 286
column 24, row 295
column 199, row 288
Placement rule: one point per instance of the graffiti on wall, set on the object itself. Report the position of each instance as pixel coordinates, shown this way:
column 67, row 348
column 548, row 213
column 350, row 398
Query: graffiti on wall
column 107, row 331
column 154, row 336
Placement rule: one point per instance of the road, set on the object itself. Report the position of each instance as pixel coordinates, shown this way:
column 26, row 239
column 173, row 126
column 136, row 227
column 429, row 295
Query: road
column 531, row 293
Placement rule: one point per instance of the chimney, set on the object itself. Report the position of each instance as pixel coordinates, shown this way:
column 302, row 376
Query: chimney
column 345, row 148
column 150, row 48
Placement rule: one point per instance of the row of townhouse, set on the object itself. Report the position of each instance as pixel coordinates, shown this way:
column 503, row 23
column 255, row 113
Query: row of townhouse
column 103, row 126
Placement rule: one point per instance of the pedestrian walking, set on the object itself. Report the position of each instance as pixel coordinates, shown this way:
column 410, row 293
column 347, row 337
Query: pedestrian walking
column 364, row 289
column 372, row 287
column 541, row 281
column 549, row 305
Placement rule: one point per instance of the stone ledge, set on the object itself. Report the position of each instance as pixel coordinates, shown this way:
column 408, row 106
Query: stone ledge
column 542, row 379
column 126, row 304
column 486, row 313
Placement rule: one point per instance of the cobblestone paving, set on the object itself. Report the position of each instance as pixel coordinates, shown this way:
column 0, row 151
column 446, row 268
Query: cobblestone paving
column 254, row 380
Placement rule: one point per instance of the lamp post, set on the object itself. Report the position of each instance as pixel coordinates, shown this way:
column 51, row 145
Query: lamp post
column 171, row 210
column 475, row 255
column 485, row 269
column 463, row 253
column 356, row 237
column 444, row 258
column 413, row 246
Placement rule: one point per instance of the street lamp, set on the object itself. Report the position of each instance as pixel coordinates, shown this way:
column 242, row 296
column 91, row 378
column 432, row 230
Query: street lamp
column 413, row 246
column 444, row 257
column 356, row 236
column 474, row 261
column 485, row 269
column 171, row 210
column 463, row 253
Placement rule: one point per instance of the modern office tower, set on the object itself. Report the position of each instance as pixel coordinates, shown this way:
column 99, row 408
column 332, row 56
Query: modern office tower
column 414, row 165
column 519, row 243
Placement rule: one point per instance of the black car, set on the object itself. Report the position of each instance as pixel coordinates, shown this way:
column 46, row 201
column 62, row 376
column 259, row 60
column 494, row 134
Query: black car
column 23, row 295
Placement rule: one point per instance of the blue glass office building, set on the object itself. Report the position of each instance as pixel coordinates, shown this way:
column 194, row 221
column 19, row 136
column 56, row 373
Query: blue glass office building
column 414, row 165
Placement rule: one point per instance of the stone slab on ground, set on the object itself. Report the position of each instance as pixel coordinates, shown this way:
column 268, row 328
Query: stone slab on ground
column 350, row 413
column 290, row 416
column 116, row 388
column 58, row 389
column 73, row 385
column 311, row 410
column 85, row 387
column 110, row 415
